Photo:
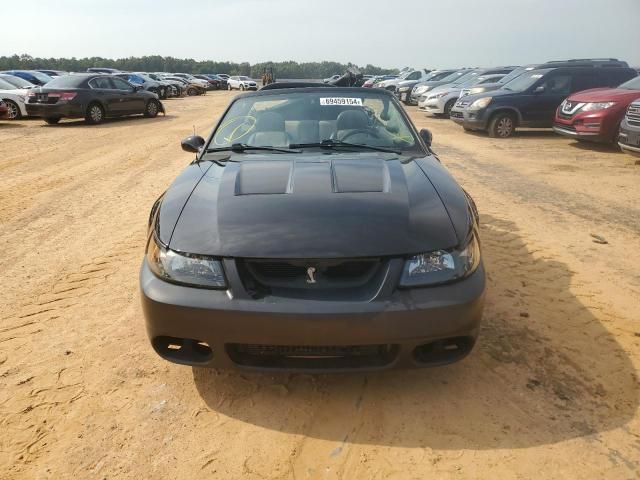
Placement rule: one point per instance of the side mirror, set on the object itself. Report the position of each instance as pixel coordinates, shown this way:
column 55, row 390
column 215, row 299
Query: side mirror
column 539, row 89
column 426, row 136
column 192, row 144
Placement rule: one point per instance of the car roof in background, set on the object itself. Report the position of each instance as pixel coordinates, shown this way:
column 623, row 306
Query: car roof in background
column 317, row 88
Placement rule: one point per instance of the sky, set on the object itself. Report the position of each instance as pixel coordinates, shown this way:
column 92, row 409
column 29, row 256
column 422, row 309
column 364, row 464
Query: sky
column 386, row 33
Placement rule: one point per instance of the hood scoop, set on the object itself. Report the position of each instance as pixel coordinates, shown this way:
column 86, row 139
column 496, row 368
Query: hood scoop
column 277, row 177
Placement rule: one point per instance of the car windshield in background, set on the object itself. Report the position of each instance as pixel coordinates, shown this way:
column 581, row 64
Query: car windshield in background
column 525, row 80
column 465, row 78
column 17, row 82
column 514, row 74
column 633, row 84
column 453, row 77
column 244, row 78
column 6, row 85
column 41, row 76
column 310, row 118
column 68, row 81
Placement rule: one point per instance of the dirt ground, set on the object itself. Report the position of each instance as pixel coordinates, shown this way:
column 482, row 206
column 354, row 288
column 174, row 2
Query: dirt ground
column 551, row 390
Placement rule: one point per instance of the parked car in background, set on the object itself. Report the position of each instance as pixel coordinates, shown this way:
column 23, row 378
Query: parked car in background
column 203, row 84
column 214, row 83
column 147, row 83
column 531, row 99
column 32, row 76
column 406, row 87
column 239, row 82
column 441, row 100
column 14, row 99
column 92, row 97
column 222, row 81
column 629, row 139
column 54, row 73
column 408, row 75
column 372, row 82
column 596, row 114
column 425, row 88
column 331, row 78
column 177, row 86
column 190, row 88
column 16, row 82
column 223, row 75
column 103, row 70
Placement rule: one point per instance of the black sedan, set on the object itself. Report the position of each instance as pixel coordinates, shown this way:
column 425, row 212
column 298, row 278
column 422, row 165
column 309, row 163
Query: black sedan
column 92, row 97
column 314, row 231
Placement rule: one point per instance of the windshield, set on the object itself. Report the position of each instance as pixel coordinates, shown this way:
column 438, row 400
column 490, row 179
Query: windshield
column 525, row 80
column 310, row 117
column 515, row 74
column 41, row 76
column 469, row 75
column 244, row 78
column 6, row 85
column 633, row 84
column 454, row 76
column 17, row 82
column 435, row 76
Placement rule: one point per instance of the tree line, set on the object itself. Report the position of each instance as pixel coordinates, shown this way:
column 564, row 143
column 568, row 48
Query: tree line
column 157, row 63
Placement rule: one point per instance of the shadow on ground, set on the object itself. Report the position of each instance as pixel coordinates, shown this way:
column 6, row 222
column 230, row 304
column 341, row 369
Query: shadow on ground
column 545, row 370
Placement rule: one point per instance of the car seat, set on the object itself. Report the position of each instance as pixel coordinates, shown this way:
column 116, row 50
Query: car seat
column 269, row 131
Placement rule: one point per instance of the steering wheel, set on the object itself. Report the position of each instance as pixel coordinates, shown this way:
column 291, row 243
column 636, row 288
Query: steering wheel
column 369, row 132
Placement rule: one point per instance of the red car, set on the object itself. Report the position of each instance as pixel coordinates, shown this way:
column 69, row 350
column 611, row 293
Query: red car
column 4, row 110
column 595, row 114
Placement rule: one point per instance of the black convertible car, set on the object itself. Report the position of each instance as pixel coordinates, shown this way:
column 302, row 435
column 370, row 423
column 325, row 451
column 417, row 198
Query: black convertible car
column 314, row 231
column 92, row 97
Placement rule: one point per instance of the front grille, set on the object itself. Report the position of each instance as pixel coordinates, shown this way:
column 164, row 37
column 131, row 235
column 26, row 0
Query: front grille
column 311, row 273
column 312, row 356
column 633, row 115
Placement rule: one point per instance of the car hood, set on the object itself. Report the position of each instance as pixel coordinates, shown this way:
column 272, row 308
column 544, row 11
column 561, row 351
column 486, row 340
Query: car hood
column 605, row 95
column 321, row 206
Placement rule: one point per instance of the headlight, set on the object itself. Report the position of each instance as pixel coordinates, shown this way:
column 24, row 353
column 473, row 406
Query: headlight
column 475, row 90
column 441, row 266
column 590, row 107
column 185, row 268
column 404, row 89
column 480, row 103
column 421, row 89
column 441, row 94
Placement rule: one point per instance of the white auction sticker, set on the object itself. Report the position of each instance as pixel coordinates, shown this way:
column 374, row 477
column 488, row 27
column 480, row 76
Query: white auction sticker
column 341, row 101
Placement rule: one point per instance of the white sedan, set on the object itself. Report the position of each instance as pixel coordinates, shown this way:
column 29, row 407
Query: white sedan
column 241, row 83
column 14, row 98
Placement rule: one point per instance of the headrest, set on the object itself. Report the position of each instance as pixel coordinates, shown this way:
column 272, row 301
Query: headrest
column 270, row 122
column 352, row 120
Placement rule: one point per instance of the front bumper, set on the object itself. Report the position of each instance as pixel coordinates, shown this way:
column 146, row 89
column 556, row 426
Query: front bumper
column 44, row 110
column 629, row 138
column 470, row 119
column 433, row 105
column 403, row 321
column 573, row 132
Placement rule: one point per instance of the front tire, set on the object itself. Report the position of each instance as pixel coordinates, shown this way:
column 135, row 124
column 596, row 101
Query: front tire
column 152, row 109
column 502, row 125
column 242, row 87
column 229, row 87
column 95, row 114
column 447, row 108
column 192, row 91
column 14, row 110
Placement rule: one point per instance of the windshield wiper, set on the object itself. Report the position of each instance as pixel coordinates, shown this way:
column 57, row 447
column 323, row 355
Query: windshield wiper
column 340, row 143
column 243, row 147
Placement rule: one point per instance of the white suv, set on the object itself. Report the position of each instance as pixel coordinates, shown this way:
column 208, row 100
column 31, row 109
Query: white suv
column 241, row 83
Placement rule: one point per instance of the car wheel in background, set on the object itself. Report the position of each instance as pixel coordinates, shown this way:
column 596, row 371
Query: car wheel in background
column 191, row 91
column 95, row 114
column 242, row 87
column 52, row 120
column 502, row 125
column 14, row 110
column 449, row 105
column 163, row 93
column 152, row 109
column 229, row 86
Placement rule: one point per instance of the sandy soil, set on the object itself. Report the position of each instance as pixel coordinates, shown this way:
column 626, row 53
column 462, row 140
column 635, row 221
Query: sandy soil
column 551, row 391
